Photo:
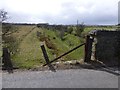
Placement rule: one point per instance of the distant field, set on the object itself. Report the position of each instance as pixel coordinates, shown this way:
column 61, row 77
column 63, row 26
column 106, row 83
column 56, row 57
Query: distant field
column 26, row 51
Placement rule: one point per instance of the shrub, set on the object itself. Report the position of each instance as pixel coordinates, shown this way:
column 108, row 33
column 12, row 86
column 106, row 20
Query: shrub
column 8, row 40
column 70, row 30
column 79, row 29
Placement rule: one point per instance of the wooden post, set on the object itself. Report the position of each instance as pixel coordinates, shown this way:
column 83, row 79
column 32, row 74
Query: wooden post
column 7, row 61
column 47, row 58
column 88, row 49
column 45, row 54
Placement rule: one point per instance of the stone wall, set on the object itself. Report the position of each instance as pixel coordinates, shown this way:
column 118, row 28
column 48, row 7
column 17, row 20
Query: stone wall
column 108, row 47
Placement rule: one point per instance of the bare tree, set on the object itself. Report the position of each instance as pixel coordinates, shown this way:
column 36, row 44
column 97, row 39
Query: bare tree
column 6, row 27
column 79, row 29
column 3, row 15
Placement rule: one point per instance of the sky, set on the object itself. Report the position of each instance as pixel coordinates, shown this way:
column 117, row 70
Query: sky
column 119, row 13
column 91, row 12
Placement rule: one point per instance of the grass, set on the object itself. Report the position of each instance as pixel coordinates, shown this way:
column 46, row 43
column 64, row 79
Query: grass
column 64, row 46
column 29, row 55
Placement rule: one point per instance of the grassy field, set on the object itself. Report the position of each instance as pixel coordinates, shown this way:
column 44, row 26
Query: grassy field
column 28, row 53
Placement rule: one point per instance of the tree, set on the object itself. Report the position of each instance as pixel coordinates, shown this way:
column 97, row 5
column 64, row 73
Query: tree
column 6, row 30
column 3, row 15
column 6, row 27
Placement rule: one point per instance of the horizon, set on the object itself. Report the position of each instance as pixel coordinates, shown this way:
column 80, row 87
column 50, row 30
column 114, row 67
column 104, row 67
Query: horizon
column 60, row 24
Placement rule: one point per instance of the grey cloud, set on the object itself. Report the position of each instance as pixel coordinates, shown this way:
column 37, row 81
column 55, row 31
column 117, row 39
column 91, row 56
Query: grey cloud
column 119, row 13
column 73, row 16
column 100, row 15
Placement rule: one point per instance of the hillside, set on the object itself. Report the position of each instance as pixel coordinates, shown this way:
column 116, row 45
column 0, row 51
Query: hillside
column 24, row 44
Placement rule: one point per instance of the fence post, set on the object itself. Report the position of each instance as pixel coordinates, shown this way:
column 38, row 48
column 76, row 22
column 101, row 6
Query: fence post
column 7, row 60
column 88, row 49
column 47, row 58
column 45, row 54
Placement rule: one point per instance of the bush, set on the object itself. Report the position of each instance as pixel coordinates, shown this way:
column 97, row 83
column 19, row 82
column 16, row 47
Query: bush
column 60, row 34
column 8, row 40
column 8, row 29
column 79, row 29
column 70, row 30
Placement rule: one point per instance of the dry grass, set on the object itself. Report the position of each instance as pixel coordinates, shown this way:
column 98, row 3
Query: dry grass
column 29, row 53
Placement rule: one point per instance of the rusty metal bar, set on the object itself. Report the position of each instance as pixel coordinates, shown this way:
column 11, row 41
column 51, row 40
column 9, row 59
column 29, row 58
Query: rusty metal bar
column 65, row 54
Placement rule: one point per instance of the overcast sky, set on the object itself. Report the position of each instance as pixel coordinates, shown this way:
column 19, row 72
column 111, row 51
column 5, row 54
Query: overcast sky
column 62, row 11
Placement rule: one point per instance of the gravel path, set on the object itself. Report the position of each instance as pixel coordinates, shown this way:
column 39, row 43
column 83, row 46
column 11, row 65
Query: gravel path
column 79, row 78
